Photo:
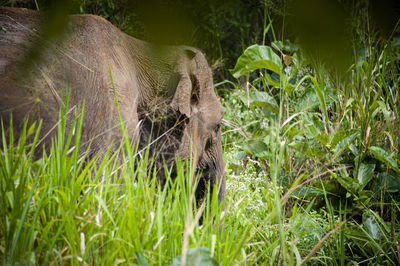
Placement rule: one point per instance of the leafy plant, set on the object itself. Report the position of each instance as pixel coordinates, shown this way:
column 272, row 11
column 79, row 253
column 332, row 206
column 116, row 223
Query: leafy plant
column 323, row 137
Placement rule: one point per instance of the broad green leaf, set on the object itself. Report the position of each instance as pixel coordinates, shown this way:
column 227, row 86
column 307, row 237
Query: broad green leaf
column 308, row 101
column 263, row 99
column 341, row 135
column 388, row 182
column 274, row 79
column 260, row 99
column 270, row 81
column 256, row 147
column 257, row 57
column 371, row 226
column 365, row 173
column 286, row 46
column 196, row 257
column 323, row 138
column 345, row 143
column 307, row 192
column 350, row 184
column 354, row 150
column 312, row 125
column 384, row 157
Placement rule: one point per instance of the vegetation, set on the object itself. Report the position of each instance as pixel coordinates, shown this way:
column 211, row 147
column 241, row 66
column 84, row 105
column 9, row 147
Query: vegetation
column 64, row 209
column 312, row 156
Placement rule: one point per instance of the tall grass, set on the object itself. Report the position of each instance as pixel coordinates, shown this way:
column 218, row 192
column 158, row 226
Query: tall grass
column 66, row 208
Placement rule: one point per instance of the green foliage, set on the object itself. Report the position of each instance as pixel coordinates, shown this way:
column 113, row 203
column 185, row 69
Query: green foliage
column 305, row 128
column 257, row 57
column 321, row 136
column 311, row 147
column 67, row 208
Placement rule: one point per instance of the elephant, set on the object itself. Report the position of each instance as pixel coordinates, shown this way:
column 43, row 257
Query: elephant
column 163, row 94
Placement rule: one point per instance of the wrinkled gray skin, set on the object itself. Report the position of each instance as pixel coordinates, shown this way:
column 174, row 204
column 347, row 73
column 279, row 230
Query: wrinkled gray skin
column 167, row 88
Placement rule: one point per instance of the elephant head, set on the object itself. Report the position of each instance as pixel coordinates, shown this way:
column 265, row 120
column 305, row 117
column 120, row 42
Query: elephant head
column 190, row 124
column 196, row 99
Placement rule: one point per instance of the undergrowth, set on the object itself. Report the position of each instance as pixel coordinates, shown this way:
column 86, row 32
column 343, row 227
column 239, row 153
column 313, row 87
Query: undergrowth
column 65, row 208
column 312, row 162
column 313, row 152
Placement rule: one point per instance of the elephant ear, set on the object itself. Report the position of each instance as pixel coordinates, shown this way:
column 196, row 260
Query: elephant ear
column 183, row 93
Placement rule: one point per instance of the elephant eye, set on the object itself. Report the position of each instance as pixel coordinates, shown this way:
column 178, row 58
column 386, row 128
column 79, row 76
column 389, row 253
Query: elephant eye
column 218, row 127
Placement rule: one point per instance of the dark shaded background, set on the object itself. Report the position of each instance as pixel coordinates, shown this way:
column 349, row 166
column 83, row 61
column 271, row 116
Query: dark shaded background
column 224, row 28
